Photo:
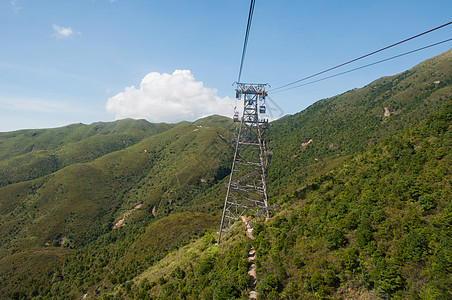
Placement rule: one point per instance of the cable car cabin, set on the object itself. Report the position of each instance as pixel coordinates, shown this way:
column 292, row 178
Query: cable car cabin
column 262, row 109
column 236, row 117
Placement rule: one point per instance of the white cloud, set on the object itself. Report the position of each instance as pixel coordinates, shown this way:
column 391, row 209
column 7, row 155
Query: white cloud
column 15, row 6
column 62, row 32
column 169, row 98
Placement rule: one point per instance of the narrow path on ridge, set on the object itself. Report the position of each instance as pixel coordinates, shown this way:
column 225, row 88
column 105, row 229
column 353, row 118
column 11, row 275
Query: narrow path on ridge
column 251, row 259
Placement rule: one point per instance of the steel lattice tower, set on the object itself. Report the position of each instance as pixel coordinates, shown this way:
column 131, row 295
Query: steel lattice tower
column 246, row 190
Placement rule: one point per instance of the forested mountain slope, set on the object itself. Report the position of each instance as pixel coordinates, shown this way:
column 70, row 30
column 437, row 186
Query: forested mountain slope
column 75, row 206
column 80, row 201
column 130, row 209
column 344, row 124
column 30, row 154
column 378, row 226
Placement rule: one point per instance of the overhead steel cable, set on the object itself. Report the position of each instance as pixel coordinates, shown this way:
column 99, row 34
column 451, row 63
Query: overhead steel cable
column 247, row 34
column 361, row 57
column 362, row 67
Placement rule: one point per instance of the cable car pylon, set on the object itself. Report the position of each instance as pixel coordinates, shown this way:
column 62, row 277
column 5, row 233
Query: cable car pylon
column 247, row 189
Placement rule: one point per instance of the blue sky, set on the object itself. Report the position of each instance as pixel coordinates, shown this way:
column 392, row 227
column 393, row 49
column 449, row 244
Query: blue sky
column 65, row 62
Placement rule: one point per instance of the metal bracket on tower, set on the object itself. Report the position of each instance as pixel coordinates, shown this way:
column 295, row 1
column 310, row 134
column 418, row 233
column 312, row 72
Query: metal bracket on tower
column 246, row 190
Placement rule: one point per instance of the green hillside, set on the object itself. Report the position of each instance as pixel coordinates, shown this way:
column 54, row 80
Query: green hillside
column 80, row 202
column 378, row 226
column 30, row 154
column 355, row 120
column 359, row 187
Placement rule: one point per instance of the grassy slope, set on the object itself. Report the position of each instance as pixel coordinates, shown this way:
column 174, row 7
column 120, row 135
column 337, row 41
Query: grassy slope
column 30, row 154
column 32, row 272
column 22, row 141
column 350, row 122
column 303, row 266
column 376, row 226
column 81, row 202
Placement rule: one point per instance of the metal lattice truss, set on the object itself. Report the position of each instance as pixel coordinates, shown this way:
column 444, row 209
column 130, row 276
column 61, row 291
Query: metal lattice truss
column 246, row 190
